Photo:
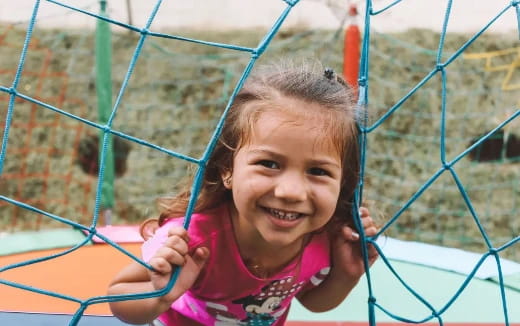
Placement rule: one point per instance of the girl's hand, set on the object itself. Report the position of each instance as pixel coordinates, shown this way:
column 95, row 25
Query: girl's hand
column 173, row 254
column 347, row 265
column 346, row 247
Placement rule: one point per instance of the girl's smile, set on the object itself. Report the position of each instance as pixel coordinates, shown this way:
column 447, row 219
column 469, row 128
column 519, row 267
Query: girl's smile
column 286, row 216
column 284, row 219
column 285, row 180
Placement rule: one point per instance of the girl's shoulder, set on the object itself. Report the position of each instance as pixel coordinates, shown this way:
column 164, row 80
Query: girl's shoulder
column 201, row 225
column 317, row 251
column 319, row 241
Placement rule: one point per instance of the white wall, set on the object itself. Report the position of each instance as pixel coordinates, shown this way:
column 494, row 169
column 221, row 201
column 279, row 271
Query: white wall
column 467, row 15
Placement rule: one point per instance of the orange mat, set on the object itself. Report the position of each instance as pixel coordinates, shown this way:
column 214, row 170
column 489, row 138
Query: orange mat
column 87, row 274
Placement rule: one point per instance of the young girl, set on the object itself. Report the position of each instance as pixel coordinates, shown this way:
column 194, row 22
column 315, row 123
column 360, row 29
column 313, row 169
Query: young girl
column 274, row 217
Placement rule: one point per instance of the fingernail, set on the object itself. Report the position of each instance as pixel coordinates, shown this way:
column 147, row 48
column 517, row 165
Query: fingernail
column 355, row 235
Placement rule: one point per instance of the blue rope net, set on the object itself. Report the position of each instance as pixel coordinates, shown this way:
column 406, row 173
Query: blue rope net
column 404, row 150
column 444, row 167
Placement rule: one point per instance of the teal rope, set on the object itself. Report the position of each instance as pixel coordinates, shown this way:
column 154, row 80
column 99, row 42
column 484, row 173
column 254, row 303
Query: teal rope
column 516, row 4
column 12, row 91
column 103, row 55
column 445, row 164
column 107, row 130
column 364, row 130
column 377, row 12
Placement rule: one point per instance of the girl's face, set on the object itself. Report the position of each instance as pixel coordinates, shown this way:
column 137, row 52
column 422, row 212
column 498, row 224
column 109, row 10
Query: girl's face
column 286, row 178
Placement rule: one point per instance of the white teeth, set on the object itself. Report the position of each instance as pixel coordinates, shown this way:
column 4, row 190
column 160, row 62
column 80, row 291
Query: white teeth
column 284, row 215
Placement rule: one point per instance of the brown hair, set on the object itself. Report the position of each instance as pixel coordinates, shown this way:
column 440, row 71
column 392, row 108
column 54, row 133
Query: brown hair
column 262, row 89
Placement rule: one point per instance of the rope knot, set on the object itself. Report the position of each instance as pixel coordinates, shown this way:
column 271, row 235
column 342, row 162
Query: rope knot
column 435, row 314
column 493, row 251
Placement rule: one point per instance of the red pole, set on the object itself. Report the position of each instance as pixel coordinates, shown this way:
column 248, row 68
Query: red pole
column 351, row 50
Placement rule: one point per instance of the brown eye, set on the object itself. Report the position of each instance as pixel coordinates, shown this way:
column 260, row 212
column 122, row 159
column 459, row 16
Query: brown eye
column 318, row 172
column 269, row 164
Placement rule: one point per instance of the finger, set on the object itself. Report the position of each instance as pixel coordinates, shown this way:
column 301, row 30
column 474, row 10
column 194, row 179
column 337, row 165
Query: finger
column 371, row 231
column 352, row 235
column 160, row 265
column 177, row 243
column 369, row 226
column 363, row 211
column 172, row 256
column 367, row 221
column 179, row 231
column 349, row 233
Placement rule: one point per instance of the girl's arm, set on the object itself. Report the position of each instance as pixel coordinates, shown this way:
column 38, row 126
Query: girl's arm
column 135, row 278
column 329, row 294
column 347, row 267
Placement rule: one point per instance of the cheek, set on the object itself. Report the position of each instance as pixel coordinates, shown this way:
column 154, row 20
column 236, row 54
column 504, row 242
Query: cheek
column 330, row 197
column 248, row 188
column 255, row 184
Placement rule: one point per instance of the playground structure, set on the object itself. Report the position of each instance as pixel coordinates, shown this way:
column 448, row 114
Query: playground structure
column 194, row 83
column 50, row 164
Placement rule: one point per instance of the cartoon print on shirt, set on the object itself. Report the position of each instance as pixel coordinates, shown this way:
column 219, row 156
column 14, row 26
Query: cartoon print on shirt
column 320, row 276
column 222, row 315
column 262, row 309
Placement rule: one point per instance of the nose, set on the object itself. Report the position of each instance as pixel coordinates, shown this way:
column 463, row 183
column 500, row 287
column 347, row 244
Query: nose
column 291, row 187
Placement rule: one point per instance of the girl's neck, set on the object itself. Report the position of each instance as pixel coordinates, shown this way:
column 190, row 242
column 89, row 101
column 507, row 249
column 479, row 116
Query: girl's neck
column 266, row 264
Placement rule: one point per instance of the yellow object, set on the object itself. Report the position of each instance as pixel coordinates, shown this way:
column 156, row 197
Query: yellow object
column 509, row 68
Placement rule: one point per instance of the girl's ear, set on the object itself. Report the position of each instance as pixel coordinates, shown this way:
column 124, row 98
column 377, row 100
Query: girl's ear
column 226, row 178
column 148, row 228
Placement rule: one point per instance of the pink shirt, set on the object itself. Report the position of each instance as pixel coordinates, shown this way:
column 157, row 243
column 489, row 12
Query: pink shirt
column 226, row 293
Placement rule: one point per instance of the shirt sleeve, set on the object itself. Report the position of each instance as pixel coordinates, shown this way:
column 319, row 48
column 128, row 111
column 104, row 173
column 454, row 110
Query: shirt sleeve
column 150, row 246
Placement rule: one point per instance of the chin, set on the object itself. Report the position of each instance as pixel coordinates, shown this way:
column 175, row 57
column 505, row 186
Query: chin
column 281, row 240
